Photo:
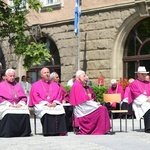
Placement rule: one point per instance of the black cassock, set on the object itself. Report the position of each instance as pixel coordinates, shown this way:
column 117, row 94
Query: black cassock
column 54, row 125
column 15, row 125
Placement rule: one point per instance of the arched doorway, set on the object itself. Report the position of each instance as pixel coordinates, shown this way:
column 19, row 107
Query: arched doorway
column 2, row 62
column 53, row 65
column 137, row 49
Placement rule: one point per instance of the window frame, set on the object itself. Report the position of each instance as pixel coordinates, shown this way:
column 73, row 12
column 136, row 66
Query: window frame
column 11, row 4
column 55, row 2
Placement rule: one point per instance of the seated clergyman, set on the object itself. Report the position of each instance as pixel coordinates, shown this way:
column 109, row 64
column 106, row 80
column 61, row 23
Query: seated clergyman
column 14, row 113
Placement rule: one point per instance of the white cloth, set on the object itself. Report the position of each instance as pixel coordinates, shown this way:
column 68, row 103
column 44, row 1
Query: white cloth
column 70, row 82
column 6, row 109
column 26, row 86
column 41, row 109
column 125, row 100
column 85, row 108
column 140, row 106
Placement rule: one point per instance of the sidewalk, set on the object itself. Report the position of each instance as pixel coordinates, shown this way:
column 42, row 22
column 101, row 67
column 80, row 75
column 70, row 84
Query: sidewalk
column 132, row 140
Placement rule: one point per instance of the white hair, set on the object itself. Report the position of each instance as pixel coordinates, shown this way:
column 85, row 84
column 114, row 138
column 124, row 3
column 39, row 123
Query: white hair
column 9, row 70
column 113, row 81
column 79, row 72
column 131, row 80
column 52, row 75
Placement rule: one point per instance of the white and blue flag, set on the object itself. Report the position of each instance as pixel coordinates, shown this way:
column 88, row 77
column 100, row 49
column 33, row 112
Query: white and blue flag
column 77, row 17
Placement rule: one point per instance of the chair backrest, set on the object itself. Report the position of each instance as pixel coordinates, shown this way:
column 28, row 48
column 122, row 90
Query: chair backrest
column 112, row 97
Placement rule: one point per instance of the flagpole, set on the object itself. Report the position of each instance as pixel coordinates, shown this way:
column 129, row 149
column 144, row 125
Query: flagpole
column 77, row 28
column 79, row 45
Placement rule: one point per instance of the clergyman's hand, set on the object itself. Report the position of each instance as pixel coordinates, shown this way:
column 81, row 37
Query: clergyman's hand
column 51, row 104
column 15, row 106
column 12, row 105
column 99, row 103
column 63, row 101
column 18, row 106
column 148, row 100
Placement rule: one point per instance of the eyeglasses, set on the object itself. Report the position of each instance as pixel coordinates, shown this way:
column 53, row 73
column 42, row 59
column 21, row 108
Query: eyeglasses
column 143, row 74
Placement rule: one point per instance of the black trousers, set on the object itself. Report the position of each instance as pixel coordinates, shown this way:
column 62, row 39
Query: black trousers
column 69, row 117
column 129, row 108
column 15, row 125
column 53, row 124
column 108, row 106
column 147, row 121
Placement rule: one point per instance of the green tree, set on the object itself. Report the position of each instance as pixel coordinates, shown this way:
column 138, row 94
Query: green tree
column 13, row 24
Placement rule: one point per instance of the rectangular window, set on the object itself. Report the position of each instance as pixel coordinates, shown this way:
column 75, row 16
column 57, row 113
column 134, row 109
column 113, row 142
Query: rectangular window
column 22, row 5
column 51, row 2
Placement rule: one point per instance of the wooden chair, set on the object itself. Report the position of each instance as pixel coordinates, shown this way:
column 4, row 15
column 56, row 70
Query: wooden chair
column 116, row 98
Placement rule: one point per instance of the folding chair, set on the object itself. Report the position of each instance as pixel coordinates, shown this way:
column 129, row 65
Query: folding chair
column 116, row 98
column 140, row 123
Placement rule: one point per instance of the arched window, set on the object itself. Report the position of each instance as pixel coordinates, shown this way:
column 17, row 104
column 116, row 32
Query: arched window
column 2, row 62
column 137, row 49
column 53, row 65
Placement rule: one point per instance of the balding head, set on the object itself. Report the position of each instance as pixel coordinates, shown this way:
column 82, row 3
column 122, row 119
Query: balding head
column 45, row 74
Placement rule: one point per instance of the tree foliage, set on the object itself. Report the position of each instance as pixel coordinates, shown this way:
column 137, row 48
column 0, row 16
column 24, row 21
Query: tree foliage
column 13, row 26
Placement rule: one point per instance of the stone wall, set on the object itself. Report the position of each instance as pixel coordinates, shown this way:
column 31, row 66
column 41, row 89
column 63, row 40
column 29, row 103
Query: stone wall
column 99, row 30
column 11, row 60
column 103, row 34
column 66, row 12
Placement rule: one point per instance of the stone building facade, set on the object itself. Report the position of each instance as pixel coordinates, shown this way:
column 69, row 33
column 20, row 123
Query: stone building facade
column 104, row 28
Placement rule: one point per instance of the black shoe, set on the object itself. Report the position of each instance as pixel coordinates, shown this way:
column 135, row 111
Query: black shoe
column 110, row 133
column 147, row 131
column 76, row 129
